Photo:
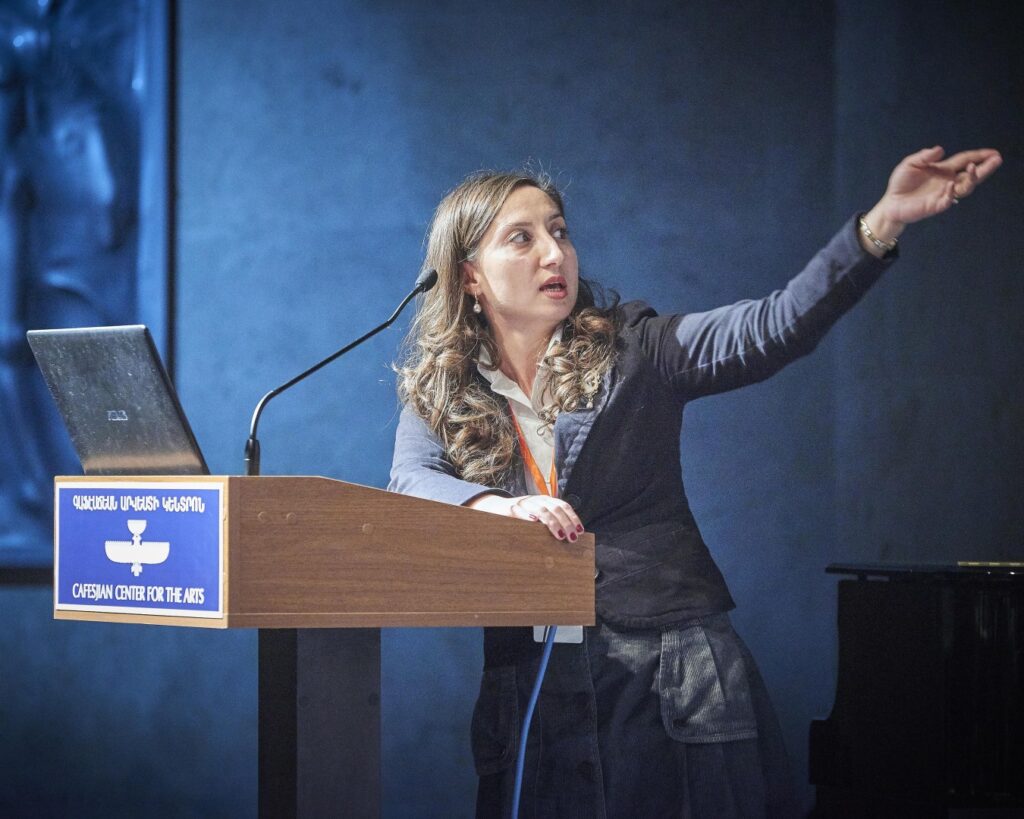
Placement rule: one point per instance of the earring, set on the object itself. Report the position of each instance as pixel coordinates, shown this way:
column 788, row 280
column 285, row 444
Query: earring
column 476, row 305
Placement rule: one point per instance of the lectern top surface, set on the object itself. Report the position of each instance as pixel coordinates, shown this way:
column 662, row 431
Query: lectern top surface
column 118, row 404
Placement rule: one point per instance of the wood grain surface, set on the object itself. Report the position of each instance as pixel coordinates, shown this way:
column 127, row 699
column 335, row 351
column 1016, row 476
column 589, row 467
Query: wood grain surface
column 310, row 552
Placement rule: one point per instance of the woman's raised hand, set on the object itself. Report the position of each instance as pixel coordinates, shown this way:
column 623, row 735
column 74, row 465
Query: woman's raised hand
column 925, row 184
column 560, row 518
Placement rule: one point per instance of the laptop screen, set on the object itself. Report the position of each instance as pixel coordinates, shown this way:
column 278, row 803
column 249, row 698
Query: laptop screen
column 117, row 402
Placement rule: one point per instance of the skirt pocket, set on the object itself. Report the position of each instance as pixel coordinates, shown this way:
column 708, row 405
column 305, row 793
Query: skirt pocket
column 704, row 685
column 495, row 726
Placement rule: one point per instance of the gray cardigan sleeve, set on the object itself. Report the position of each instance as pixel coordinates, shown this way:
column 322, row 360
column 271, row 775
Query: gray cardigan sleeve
column 718, row 350
column 421, row 469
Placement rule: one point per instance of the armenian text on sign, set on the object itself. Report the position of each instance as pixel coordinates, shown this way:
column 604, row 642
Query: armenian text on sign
column 143, row 547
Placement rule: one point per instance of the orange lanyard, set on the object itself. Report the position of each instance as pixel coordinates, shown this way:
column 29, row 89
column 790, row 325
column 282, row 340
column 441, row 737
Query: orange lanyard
column 550, row 488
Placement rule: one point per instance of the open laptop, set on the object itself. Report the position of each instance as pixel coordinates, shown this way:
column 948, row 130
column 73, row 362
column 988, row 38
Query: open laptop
column 117, row 402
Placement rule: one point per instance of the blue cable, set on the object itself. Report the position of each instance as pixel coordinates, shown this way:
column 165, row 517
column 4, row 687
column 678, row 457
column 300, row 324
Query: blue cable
column 521, row 756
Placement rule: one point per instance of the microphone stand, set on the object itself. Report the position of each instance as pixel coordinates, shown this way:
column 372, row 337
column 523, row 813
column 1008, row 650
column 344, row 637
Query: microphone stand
column 424, row 282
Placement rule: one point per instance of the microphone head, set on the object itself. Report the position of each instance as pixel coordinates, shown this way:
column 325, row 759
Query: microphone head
column 426, row 280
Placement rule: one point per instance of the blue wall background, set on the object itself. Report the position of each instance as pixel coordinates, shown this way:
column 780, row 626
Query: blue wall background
column 706, row 150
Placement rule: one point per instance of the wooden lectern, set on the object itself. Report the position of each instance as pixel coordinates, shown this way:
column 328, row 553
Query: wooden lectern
column 319, row 566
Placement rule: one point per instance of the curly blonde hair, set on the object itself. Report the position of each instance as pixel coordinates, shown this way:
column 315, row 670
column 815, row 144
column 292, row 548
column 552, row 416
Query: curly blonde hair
column 437, row 376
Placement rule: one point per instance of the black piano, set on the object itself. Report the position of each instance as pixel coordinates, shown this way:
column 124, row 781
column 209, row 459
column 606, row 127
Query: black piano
column 928, row 719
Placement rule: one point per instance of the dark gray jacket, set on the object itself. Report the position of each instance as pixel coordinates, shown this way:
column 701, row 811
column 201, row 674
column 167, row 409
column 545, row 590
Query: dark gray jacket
column 619, row 461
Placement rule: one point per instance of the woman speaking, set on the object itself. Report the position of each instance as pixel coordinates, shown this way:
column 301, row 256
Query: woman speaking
column 525, row 395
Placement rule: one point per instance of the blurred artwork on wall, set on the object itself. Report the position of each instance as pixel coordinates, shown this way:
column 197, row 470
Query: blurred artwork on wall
column 76, row 82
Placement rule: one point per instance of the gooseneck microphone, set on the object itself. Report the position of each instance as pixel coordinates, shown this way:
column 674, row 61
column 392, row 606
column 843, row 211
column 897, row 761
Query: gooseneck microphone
column 426, row 280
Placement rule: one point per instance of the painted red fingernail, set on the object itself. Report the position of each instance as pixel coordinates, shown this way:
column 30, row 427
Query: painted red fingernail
column 561, row 533
column 572, row 536
column 579, row 527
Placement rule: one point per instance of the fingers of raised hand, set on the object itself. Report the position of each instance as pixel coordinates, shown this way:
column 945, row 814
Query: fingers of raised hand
column 966, row 170
column 984, row 160
column 959, row 161
column 924, row 157
column 987, row 164
column 964, row 182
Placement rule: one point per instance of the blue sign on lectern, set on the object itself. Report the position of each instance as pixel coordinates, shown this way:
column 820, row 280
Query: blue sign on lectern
column 144, row 547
